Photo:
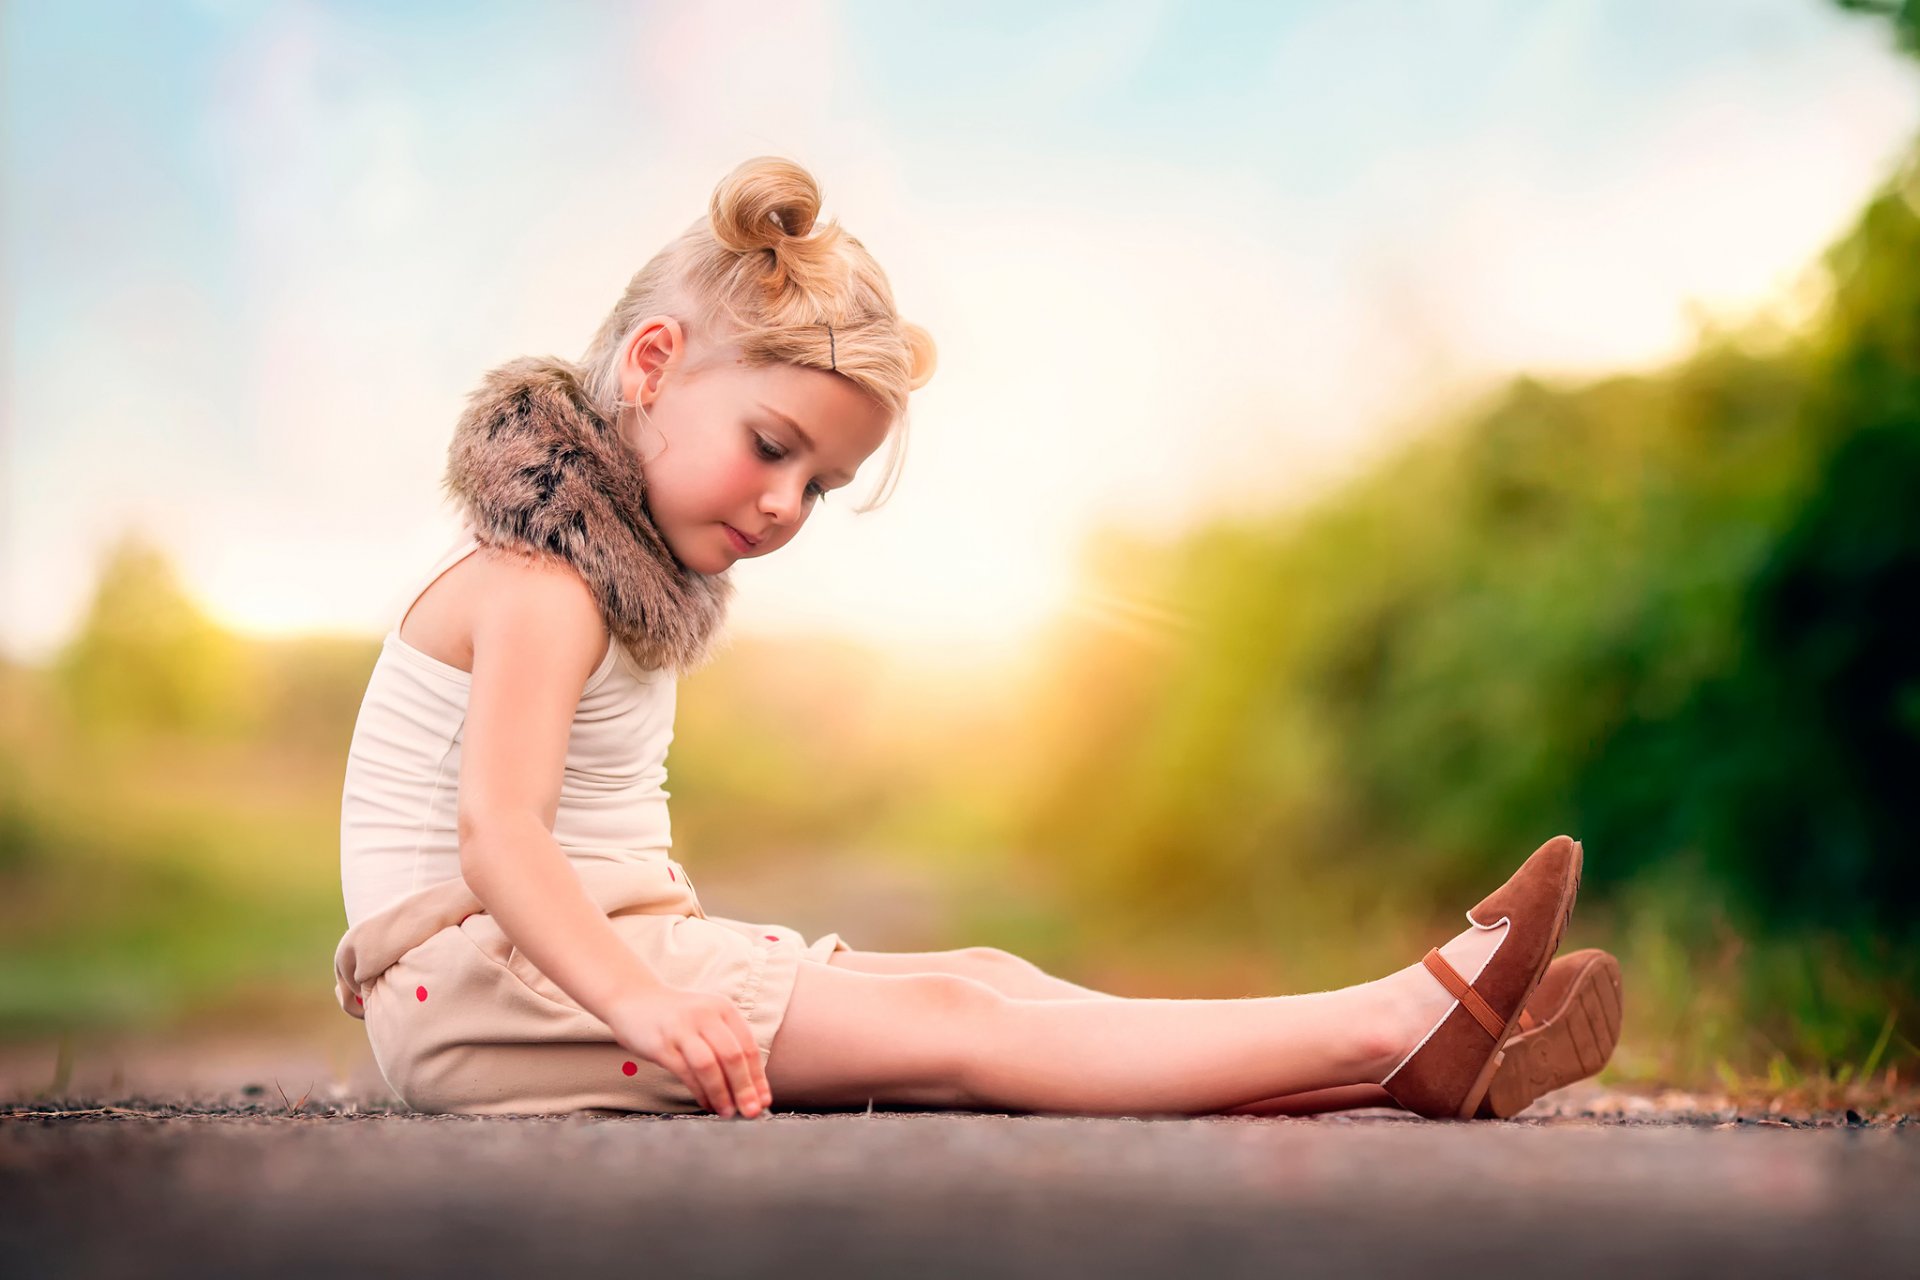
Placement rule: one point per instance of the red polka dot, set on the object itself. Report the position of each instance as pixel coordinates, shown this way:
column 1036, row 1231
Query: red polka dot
column 420, row 993
column 358, row 1000
column 773, row 937
column 628, row 1067
column 670, row 874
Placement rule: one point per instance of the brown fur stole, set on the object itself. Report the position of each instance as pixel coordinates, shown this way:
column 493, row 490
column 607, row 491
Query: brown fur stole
column 536, row 468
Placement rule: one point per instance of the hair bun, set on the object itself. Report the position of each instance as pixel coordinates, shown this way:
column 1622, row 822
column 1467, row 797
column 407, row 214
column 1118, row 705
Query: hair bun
column 763, row 204
column 770, row 205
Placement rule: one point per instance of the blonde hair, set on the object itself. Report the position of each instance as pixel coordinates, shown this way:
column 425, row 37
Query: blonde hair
column 757, row 275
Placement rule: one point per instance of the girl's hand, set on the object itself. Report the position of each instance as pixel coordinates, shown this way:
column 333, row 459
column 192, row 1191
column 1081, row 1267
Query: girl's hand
column 700, row 1037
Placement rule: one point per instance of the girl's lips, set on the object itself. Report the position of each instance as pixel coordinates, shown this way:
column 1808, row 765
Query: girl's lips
column 741, row 542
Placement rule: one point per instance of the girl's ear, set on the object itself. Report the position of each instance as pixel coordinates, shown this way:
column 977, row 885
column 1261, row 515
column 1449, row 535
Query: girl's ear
column 649, row 351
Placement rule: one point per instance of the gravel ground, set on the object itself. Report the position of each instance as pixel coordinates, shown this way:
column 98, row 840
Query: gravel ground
column 243, row 1178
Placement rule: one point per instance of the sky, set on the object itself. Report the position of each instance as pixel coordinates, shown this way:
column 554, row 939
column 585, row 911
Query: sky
column 1182, row 261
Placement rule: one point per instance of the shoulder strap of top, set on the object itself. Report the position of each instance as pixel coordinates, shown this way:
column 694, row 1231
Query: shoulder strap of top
column 467, row 545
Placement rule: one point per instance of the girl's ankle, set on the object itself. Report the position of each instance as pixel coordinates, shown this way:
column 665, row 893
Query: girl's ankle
column 1402, row 1016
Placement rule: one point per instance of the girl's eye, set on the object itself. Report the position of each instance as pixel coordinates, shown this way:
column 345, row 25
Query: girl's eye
column 772, row 453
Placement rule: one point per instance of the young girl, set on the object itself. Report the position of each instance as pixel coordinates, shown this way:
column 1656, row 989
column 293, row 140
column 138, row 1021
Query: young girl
column 520, row 938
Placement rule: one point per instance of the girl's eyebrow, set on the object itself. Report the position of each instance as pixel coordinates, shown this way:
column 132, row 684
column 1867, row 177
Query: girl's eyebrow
column 804, row 437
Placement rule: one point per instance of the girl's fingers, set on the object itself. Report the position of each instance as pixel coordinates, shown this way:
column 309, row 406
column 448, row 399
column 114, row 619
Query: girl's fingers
column 758, row 1087
column 675, row 1061
column 700, row 1057
column 739, row 1063
column 719, row 1062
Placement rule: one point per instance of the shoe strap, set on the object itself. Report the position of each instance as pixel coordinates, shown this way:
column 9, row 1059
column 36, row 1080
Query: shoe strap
column 1463, row 991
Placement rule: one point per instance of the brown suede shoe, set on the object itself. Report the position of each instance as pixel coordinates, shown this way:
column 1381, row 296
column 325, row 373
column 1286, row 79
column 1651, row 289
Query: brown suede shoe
column 1448, row 1073
column 1566, row 1033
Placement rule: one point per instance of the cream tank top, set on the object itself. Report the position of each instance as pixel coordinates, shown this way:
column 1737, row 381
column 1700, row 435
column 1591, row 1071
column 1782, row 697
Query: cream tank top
column 398, row 811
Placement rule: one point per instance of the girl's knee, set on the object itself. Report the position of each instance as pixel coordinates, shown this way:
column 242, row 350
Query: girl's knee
column 945, row 999
column 965, row 1009
column 994, row 960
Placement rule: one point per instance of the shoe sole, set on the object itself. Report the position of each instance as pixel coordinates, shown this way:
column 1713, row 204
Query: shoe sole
column 1574, row 1045
column 1483, row 1083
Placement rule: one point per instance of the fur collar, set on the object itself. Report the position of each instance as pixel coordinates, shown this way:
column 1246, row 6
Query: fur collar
column 536, row 468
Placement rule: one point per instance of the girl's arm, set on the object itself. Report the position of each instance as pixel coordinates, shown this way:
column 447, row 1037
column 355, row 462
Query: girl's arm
column 537, row 637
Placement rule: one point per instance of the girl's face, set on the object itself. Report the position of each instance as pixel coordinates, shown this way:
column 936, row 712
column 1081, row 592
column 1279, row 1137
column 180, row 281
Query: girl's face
column 727, row 449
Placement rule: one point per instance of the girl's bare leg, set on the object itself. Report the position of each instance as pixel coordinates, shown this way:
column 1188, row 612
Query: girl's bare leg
column 1016, row 976
column 1004, row 971
column 945, row 1039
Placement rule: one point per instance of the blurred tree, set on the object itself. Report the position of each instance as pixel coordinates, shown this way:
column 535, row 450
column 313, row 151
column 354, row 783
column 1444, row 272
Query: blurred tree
column 1676, row 615
column 1835, row 611
column 1904, row 14
column 147, row 658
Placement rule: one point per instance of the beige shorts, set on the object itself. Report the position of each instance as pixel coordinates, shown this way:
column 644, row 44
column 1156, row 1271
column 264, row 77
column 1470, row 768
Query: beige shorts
column 461, row 1021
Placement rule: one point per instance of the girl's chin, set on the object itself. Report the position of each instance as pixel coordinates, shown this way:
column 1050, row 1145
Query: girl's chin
column 703, row 561
column 710, row 559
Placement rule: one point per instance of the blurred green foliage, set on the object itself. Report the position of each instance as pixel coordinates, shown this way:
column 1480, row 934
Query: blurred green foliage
column 146, row 658
column 1677, row 616
column 1903, row 14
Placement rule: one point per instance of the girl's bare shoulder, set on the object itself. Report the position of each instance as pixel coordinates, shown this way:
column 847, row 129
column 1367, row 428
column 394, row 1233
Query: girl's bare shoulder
column 506, row 597
column 531, row 594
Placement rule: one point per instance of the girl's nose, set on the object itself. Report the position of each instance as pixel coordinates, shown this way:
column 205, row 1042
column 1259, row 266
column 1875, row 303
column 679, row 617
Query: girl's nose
column 781, row 506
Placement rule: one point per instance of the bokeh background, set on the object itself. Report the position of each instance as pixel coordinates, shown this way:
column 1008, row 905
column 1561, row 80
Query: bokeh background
column 1369, row 439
